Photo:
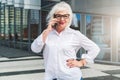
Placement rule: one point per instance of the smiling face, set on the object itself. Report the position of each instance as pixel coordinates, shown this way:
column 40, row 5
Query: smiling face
column 62, row 19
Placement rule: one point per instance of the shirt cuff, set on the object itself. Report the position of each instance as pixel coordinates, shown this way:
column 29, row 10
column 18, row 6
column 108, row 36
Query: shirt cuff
column 87, row 58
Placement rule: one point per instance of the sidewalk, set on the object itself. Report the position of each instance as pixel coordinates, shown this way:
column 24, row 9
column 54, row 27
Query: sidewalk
column 101, row 72
column 16, row 64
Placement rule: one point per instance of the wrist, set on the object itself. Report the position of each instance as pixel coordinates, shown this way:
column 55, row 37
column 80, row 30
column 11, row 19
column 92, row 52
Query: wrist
column 82, row 63
column 47, row 30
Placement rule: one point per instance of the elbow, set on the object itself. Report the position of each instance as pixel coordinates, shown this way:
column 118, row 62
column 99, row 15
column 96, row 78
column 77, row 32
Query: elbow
column 98, row 50
column 90, row 57
column 34, row 49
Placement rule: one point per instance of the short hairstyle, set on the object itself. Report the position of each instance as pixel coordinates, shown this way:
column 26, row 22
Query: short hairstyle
column 59, row 7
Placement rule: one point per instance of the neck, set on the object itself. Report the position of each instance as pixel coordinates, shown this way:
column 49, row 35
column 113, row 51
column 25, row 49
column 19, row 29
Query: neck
column 59, row 31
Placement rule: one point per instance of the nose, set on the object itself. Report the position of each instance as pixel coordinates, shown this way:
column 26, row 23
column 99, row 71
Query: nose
column 62, row 18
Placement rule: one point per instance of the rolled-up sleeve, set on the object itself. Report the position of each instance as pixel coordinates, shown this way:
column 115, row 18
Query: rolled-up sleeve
column 37, row 44
column 91, row 48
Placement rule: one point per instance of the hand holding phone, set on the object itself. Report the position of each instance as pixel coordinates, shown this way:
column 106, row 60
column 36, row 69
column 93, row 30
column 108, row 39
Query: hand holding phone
column 55, row 24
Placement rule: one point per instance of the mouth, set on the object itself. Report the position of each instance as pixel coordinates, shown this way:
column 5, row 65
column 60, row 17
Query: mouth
column 61, row 23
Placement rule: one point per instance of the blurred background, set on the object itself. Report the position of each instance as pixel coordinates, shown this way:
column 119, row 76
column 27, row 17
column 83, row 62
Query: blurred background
column 21, row 21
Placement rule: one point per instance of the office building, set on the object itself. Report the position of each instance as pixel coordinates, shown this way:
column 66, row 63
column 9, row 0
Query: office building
column 21, row 21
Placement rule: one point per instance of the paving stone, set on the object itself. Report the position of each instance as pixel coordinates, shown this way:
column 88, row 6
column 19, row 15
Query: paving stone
column 113, row 71
column 103, row 78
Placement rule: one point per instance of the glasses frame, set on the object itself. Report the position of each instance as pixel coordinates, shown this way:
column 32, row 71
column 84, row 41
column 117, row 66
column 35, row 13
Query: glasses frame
column 59, row 16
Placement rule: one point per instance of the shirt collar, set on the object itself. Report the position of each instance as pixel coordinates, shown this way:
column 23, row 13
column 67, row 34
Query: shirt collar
column 59, row 34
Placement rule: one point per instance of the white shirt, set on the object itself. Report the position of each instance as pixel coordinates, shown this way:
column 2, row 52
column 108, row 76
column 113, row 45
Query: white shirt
column 60, row 47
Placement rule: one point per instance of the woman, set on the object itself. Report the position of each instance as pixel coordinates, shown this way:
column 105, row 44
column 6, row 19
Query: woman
column 61, row 44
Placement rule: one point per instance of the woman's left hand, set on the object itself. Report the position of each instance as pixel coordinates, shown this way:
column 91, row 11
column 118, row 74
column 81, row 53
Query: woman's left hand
column 75, row 63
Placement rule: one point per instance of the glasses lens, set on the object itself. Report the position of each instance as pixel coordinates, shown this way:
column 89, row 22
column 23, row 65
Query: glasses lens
column 66, row 16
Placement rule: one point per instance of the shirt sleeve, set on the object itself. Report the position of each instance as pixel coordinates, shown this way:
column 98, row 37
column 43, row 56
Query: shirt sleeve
column 37, row 44
column 91, row 48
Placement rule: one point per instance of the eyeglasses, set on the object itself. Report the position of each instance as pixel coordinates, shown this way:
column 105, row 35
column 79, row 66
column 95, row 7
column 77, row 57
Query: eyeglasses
column 59, row 16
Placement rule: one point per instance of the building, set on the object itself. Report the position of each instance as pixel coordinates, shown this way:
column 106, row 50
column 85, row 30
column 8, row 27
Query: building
column 21, row 21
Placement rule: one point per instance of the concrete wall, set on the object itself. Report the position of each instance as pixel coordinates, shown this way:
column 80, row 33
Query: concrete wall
column 109, row 7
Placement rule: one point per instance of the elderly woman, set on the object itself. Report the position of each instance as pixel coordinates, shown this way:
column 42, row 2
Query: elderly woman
column 61, row 44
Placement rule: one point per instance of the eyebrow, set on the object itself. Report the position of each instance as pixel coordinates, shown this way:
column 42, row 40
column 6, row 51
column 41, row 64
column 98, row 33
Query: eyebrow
column 62, row 14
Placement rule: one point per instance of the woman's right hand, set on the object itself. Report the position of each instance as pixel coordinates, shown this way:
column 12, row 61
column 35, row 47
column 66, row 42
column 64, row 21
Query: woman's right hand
column 51, row 24
column 48, row 29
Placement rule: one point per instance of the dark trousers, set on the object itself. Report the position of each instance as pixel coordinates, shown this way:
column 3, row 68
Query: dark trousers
column 81, row 79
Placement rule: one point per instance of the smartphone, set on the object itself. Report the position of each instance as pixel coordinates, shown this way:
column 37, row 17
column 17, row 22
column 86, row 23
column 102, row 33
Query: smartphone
column 55, row 25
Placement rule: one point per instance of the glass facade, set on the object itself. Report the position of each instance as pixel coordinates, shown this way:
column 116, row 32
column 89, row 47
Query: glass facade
column 98, row 29
column 18, row 26
column 2, row 21
column 118, row 39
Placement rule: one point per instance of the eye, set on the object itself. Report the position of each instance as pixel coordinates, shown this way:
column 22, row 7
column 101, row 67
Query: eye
column 66, row 15
column 58, row 15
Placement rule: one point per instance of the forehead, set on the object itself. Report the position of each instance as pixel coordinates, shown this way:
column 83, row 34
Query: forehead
column 62, row 12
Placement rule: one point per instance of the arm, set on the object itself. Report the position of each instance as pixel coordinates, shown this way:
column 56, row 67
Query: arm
column 91, row 48
column 39, row 42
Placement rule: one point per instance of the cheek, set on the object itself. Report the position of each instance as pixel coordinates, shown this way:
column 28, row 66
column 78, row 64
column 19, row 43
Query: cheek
column 67, row 22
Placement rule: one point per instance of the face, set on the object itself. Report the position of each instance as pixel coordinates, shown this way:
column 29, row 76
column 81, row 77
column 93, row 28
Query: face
column 63, row 18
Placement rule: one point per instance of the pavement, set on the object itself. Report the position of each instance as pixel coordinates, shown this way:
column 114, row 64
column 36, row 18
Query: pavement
column 16, row 64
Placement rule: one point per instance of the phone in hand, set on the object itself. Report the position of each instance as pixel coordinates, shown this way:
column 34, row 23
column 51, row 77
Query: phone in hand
column 56, row 24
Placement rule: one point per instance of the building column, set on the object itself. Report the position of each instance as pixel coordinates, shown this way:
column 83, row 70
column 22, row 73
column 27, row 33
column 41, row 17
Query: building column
column 114, row 40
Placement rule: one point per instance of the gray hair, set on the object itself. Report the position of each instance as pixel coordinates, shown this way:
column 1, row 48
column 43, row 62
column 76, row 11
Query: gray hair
column 59, row 7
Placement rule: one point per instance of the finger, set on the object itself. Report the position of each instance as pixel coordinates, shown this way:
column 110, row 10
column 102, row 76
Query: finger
column 69, row 59
column 71, row 65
